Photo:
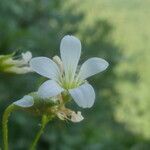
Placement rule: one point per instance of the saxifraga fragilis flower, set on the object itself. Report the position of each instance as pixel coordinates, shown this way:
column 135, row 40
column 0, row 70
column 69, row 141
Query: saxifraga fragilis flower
column 65, row 81
column 63, row 75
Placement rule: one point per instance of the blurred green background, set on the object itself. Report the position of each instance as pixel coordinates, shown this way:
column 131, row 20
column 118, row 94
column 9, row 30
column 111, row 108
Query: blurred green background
column 116, row 30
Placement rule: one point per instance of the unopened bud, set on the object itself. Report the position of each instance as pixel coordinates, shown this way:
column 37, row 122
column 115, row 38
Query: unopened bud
column 9, row 64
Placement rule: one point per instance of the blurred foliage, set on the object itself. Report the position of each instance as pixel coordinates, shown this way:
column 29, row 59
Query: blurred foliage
column 116, row 30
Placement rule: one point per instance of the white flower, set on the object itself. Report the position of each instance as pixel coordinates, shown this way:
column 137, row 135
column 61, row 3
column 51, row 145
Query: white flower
column 76, row 117
column 8, row 63
column 67, row 114
column 71, row 80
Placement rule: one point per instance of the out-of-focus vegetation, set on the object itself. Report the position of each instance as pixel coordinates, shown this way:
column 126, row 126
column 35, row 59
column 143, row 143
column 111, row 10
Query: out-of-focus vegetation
column 117, row 30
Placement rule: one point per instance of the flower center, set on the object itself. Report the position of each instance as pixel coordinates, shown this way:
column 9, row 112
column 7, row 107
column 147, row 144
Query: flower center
column 69, row 84
column 68, row 80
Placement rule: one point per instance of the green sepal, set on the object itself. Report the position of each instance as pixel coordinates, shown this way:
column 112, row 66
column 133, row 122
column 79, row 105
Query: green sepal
column 42, row 106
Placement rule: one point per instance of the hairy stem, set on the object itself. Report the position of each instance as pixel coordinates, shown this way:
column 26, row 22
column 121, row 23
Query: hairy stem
column 6, row 115
column 44, row 122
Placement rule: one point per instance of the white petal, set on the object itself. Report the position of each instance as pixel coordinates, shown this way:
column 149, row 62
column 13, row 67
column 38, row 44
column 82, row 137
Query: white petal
column 49, row 89
column 70, row 49
column 26, row 101
column 84, row 95
column 92, row 66
column 27, row 56
column 45, row 67
column 76, row 117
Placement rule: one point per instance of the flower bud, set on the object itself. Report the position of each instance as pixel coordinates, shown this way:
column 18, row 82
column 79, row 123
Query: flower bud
column 14, row 64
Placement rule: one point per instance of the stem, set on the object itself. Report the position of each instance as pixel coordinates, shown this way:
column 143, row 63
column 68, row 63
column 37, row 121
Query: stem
column 44, row 122
column 6, row 115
